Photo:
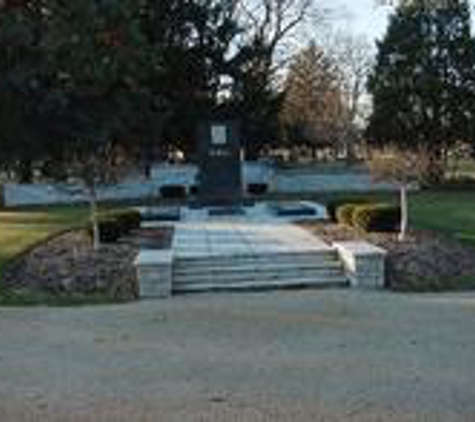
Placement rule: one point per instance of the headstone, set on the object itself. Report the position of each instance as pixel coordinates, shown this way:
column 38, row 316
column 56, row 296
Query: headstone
column 220, row 172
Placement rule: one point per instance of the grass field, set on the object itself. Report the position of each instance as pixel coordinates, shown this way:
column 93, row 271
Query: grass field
column 452, row 213
column 22, row 229
column 19, row 229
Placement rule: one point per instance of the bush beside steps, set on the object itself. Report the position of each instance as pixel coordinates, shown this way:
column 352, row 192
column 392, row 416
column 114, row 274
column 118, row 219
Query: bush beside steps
column 334, row 204
column 377, row 217
column 115, row 224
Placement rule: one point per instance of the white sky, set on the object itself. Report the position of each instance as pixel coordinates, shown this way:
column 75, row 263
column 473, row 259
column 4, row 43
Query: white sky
column 366, row 17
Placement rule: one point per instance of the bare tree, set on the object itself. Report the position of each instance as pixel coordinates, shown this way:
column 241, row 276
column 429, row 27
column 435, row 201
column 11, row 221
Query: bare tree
column 93, row 170
column 314, row 100
column 269, row 23
column 404, row 168
column 354, row 56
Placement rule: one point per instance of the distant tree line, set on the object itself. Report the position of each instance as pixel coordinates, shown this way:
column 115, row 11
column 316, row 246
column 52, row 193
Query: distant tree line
column 83, row 80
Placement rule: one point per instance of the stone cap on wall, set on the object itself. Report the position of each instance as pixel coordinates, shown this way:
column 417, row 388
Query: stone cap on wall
column 359, row 247
column 153, row 257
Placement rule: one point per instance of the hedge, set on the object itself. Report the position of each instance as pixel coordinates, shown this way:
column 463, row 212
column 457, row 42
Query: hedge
column 334, row 204
column 115, row 224
column 344, row 214
column 173, row 192
column 376, row 217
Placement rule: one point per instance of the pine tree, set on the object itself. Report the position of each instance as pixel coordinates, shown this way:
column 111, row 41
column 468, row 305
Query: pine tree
column 23, row 70
column 423, row 84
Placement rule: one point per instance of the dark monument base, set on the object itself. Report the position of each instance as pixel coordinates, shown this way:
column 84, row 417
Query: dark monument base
column 224, row 211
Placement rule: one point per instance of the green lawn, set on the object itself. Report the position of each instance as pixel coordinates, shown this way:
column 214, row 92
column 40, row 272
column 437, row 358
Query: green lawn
column 20, row 229
column 449, row 212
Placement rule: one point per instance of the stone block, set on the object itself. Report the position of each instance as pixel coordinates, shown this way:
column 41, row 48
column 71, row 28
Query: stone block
column 154, row 273
column 364, row 263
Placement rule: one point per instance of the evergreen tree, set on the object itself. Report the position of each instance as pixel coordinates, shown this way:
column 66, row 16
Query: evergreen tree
column 24, row 77
column 423, row 84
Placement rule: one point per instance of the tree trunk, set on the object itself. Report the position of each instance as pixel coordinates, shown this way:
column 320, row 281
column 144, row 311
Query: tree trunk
column 404, row 213
column 96, row 240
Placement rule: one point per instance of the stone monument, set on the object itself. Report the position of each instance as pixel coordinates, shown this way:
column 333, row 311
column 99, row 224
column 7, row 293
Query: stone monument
column 220, row 167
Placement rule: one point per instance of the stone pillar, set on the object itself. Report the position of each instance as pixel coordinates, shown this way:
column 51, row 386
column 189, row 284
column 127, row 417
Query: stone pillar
column 364, row 263
column 154, row 273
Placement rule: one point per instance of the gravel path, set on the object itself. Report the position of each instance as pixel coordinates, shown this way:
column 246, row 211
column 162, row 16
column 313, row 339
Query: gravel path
column 288, row 356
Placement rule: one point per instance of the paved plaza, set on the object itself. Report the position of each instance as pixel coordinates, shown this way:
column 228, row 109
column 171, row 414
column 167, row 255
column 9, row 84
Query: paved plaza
column 231, row 238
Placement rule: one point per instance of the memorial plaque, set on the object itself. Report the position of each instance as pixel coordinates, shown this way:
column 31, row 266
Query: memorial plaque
column 219, row 135
column 219, row 177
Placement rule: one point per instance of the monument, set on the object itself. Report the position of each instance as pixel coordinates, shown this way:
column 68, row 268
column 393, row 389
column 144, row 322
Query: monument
column 220, row 169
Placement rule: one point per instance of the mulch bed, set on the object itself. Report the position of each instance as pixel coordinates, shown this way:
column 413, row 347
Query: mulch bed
column 425, row 261
column 68, row 264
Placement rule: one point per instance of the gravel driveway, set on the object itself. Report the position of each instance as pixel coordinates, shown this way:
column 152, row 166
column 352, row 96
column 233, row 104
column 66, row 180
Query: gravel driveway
column 333, row 355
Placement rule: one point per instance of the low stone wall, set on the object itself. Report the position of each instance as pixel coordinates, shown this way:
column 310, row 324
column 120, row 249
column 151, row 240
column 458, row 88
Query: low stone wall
column 154, row 273
column 280, row 181
column 364, row 263
column 352, row 181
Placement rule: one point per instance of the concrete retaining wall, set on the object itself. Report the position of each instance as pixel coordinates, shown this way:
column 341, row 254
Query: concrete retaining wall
column 280, row 181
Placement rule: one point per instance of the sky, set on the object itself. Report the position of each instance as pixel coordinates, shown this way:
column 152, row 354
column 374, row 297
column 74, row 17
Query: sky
column 364, row 17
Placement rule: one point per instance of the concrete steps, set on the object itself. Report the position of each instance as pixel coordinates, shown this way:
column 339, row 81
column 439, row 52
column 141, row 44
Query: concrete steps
column 273, row 258
column 257, row 272
column 256, row 285
column 181, row 270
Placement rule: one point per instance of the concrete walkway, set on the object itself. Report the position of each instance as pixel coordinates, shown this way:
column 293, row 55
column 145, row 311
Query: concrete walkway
column 242, row 237
column 328, row 355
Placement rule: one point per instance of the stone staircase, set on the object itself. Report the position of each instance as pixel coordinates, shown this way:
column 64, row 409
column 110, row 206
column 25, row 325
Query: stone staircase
column 258, row 271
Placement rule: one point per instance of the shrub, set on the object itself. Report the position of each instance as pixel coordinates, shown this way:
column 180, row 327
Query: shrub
column 110, row 229
column 173, row 192
column 115, row 224
column 257, row 188
column 376, row 217
column 344, row 214
column 128, row 219
column 333, row 205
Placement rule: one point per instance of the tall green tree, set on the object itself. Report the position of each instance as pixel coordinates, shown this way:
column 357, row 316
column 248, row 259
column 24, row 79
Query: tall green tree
column 99, row 68
column 198, row 59
column 423, row 84
column 23, row 79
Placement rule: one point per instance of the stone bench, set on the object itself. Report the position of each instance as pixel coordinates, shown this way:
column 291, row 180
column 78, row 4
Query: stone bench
column 364, row 263
column 154, row 273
